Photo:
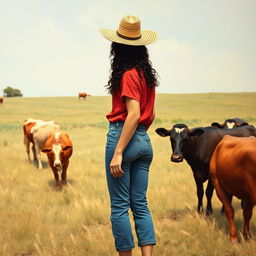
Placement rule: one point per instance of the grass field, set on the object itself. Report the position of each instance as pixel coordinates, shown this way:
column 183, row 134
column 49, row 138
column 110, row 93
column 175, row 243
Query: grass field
column 37, row 220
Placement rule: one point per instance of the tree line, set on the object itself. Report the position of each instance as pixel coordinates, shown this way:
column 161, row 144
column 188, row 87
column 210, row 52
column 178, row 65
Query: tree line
column 12, row 92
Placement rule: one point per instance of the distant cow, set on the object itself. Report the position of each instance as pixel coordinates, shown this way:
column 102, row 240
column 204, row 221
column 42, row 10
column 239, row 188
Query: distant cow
column 197, row 146
column 1, row 100
column 36, row 132
column 233, row 172
column 59, row 149
column 83, row 95
column 230, row 123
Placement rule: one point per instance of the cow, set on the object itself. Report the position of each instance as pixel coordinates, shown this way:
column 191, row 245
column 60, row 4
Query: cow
column 1, row 100
column 230, row 123
column 83, row 95
column 36, row 132
column 28, row 136
column 197, row 146
column 233, row 172
column 59, row 149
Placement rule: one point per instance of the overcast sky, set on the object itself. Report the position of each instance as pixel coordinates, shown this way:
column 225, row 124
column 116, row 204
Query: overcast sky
column 53, row 47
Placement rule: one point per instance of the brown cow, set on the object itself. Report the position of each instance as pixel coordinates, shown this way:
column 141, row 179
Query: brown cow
column 59, row 149
column 83, row 95
column 36, row 132
column 1, row 100
column 233, row 172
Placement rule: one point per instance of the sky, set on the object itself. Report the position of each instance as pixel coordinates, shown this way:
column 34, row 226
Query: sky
column 54, row 48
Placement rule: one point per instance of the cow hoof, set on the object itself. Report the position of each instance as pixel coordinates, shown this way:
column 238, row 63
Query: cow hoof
column 246, row 234
column 234, row 240
column 209, row 212
column 200, row 210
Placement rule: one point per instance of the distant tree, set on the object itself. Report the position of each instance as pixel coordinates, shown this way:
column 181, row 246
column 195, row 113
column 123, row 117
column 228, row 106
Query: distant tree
column 12, row 92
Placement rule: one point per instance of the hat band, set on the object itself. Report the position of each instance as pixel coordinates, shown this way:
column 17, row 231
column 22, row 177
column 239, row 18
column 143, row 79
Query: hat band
column 127, row 37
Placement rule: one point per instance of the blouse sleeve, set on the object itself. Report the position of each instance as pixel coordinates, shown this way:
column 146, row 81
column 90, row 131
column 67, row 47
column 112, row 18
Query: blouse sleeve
column 130, row 85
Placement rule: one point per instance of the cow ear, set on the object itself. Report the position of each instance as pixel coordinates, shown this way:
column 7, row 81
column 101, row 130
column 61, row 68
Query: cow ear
column 163, row 132
column 67, row 147
column 196, row 132
column 46, row 150
column 244, row 123
column 215, row 124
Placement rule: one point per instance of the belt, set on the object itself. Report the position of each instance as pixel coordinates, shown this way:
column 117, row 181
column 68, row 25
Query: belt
column 121, row 124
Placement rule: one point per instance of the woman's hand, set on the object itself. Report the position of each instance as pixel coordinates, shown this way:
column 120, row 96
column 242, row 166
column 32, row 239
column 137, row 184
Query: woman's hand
column 130, row 125
column 115, row 165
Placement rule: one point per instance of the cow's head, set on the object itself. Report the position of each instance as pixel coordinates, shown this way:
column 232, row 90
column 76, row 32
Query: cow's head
column 179, row 135
column 230, row 123
column 56, row 153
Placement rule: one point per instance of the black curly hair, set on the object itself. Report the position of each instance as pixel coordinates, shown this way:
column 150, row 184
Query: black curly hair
column 125, row 57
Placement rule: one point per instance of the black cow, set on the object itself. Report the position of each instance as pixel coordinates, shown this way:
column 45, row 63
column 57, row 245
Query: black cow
column 197, row 146
column 230, row 123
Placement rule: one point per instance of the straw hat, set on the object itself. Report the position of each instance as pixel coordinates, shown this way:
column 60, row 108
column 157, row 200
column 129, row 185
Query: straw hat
column 129, row 33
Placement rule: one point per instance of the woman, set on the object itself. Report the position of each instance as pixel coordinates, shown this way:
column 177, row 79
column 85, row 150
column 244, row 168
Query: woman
column 128, row 149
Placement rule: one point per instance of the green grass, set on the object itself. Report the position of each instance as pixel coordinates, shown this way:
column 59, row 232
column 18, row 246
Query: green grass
column 37, row 220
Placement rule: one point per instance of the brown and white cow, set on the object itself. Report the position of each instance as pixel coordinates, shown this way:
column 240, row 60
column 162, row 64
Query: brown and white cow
column 28, row 136
column 36, row 132
column 233, row 172
column 1, row 100
column 83, row 95
column 59, row 149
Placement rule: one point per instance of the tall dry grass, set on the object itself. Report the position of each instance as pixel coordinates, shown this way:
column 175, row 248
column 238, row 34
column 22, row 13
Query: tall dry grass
column 37, row 220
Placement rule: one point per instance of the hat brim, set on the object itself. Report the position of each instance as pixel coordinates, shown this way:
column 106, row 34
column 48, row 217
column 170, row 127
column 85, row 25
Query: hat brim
column 147, row 37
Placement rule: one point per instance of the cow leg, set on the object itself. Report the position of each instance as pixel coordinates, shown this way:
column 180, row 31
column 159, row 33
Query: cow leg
column 64, row 173
column 230, row 214
column 38, row 156
column 27, row 144
column 230, row 200
column 209, row 192
column 200, row 194
column 229, row 211
column 34, row 151
column 56, row 176
column 247, row 213
column 243, row 203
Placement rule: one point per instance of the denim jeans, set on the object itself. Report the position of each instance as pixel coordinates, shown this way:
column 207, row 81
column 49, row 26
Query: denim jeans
column 129, row 191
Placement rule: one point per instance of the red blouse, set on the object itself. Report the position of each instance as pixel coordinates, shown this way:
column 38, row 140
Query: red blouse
column 134, row 87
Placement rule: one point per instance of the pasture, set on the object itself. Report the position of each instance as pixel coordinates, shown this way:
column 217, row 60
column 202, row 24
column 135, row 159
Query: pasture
column 37, row 220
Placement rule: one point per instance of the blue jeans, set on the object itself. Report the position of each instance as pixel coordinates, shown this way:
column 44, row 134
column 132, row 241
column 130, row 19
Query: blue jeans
column 129, row 191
